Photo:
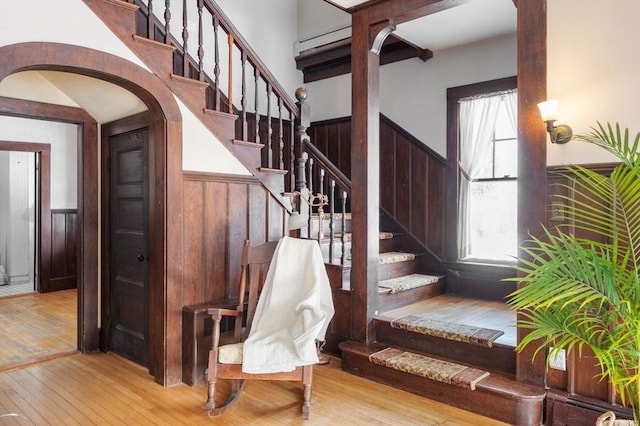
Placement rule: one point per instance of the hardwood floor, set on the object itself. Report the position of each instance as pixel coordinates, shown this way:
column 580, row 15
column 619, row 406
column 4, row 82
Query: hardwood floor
column 108, row 390
column 34, row 327
column 451, row 308
column 80, row 389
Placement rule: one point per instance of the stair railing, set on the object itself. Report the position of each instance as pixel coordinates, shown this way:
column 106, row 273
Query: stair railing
column 283, row 134
column 320, row 176
column 266, row 112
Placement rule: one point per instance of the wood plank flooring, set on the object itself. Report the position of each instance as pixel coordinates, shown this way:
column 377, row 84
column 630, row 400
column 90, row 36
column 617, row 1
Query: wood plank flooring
column 105, row 389
column 37, row 326
column 456, row 309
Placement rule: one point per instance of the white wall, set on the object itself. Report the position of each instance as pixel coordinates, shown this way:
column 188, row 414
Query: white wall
column 23, row 21
column 63, row 138
column 252, row 18
column 593, row 69
column 414, row 93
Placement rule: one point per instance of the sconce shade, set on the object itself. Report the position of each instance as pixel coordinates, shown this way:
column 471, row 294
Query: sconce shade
column 549, row 110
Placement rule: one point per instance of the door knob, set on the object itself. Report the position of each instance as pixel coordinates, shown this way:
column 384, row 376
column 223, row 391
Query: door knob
column 140, row 258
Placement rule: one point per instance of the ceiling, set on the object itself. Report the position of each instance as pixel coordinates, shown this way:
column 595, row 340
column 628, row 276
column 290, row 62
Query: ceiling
column 470, row 22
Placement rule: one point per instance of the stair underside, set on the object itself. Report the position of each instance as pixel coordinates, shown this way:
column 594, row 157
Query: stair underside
column 495, row 396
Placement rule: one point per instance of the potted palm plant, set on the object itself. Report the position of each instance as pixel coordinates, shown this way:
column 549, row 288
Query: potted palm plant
column 579, row 290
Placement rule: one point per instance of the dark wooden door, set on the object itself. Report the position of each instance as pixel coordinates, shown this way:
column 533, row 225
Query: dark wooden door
column 128, row 204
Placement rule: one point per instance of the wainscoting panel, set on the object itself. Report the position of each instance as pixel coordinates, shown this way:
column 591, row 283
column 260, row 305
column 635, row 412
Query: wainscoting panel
column 64, row 250
column 412, row 176
column 221, row 212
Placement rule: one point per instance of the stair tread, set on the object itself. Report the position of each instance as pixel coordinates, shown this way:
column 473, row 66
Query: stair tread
column 406, row 282
column 494, row 383
column 395, row 256
column 383, row 235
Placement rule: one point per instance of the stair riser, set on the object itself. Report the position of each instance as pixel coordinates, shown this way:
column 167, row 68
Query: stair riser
column 398, row 269
column 499, row 358
column 504, row 407
column 391, row 301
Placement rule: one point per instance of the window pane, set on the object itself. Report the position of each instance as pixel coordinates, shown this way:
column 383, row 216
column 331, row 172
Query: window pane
column 493, row 220
column 504, row 128
column 506, row 158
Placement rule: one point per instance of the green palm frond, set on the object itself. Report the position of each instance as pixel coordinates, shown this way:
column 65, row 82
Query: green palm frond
column 579, row 283
column 616, row 142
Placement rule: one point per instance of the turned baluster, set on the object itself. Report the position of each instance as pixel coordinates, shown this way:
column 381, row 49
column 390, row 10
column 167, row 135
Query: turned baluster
column 332, row 211
column 256, row 84
column 150, row 30
column 269, row 130
column 230, row 73
column 167, row 20
column 216, row 66
column 200, row 43
column 344, row 225
column 280, row 136
column 185, row 40
column 243, row 95
column 310, row 180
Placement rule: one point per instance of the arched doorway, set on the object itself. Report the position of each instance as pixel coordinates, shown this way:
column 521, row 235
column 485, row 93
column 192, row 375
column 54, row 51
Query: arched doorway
column 165, row 194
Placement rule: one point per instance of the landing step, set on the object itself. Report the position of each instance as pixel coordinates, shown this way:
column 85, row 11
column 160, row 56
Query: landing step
column 495, row 396
column 406, row 282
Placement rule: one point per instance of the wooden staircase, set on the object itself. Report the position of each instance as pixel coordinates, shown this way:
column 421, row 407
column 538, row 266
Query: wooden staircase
column 267, row 143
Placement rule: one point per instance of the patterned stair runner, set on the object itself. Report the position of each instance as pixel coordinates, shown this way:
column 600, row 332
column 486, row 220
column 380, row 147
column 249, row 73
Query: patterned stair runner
column 447, row 330
column 383, row 236
column 431, row 368
column 395, row 256
column 407, row 282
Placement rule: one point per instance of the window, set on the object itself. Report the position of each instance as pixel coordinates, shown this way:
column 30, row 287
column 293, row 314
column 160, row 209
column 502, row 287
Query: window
column 487, row 176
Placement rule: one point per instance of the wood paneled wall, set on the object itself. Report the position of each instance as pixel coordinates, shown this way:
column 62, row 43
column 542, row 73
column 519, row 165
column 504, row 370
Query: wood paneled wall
column 412, row 176
column 64, row 250
column 577, row 393
column 220, row 212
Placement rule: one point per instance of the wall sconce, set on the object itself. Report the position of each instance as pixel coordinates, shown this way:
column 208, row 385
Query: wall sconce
column 559, row 133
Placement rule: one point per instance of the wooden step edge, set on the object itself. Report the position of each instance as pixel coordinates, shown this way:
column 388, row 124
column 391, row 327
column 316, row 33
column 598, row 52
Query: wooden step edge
column 223, row 114
column 495, row 383
column 248, row 144
column 191, row 81
column 153, row 43
column 272, row 171
column 124, row 4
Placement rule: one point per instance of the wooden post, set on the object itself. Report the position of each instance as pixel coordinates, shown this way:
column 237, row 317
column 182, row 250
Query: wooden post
column 365, row 171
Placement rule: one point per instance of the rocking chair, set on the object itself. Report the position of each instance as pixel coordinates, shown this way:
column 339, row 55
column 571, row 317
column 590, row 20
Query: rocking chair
column 295, row 261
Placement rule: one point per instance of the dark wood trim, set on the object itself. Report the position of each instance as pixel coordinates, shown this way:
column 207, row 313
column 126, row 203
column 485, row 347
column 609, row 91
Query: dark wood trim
column 220, row 177
column 166, row 192
column 64, row 249
column 532, row 149
column 454, row 94
column 334, row 59
column 87, row 211
column 415, row 141
column 131, row 123
column 44, row 230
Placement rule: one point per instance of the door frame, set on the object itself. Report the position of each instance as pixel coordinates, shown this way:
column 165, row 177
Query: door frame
column 43, row 184
column 134, row 122
column 87, row 210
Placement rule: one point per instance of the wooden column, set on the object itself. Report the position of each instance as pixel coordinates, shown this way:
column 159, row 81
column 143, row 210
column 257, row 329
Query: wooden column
column 365, row 173
column 532, row 150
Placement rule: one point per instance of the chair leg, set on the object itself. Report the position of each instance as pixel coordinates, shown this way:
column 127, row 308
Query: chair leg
column 211, row 403
column 306, row 405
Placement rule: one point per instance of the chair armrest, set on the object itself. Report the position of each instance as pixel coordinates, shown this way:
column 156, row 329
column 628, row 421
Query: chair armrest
column 220, row 312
